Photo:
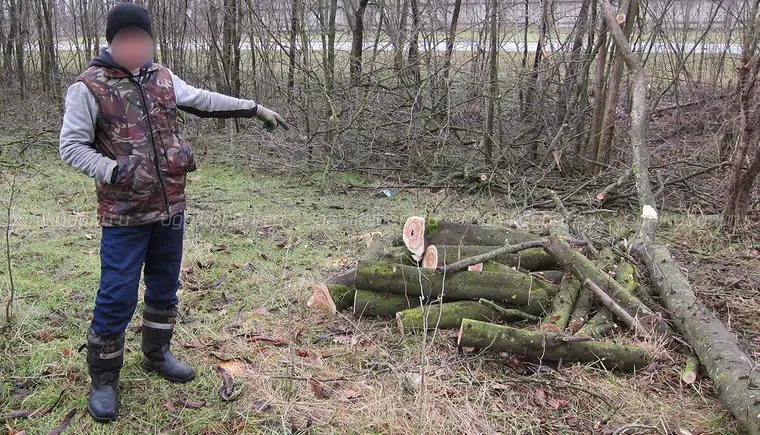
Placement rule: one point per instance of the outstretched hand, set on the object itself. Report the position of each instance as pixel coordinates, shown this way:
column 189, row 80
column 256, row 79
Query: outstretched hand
column 271, row 119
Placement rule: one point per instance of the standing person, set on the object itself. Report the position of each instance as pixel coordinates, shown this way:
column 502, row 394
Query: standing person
column 120, row 127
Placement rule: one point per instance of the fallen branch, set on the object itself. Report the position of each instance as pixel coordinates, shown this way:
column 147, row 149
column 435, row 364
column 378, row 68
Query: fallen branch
column 583, row 269
column 615, row 308
column 545, row 346
column 581, row 311
column 689, row 374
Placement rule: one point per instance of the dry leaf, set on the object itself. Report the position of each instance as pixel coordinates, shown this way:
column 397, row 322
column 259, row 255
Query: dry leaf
column 347, row 395
column 169, row 406
column 43, row 335
column 316, row 388
column 67, row 352
column 556, row 404
column 539, row 396
column 263, row 311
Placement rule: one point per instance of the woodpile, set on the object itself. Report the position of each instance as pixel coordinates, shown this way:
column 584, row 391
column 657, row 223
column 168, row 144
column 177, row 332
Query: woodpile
column 504, row 289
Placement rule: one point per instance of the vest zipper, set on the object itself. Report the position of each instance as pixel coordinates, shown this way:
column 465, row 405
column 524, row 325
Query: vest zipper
column 153, row 142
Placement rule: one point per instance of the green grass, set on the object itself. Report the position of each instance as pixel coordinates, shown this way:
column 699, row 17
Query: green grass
column 283, row 234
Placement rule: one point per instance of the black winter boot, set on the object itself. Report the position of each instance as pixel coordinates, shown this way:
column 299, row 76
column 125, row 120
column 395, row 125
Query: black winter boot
column 157, row 331
column 105, row 358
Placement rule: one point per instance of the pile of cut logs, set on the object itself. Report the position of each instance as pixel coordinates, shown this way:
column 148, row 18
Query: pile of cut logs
column 506, row 290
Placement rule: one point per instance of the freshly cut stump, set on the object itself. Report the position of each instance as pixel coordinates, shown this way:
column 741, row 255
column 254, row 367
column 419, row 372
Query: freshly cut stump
column 542, row 346
column 331, row 298
column 430, row 259
column 414, row 236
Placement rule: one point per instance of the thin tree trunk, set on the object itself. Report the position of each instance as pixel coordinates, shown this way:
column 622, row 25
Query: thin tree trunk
column 357, row 43
column 493, row 77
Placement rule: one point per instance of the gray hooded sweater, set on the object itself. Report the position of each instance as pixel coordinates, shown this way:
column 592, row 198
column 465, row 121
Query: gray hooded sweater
column 81, row 115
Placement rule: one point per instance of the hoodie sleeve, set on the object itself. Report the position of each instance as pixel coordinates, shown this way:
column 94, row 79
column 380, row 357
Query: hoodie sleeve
column 78, row 135
column 208, row 104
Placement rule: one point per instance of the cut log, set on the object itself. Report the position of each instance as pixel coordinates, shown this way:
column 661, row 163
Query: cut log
column 335, row 295
column 690, row 370
column 615, row 308
column 562, row 306
column 377, row 248
column 374, row 304
column 443, row 316
column 331, row 298
column 430, row 259
column 493, row 254
column 584, row 269
column 545, row 346
column 492, row 266
column 476, row 268
column 530, row 259
column 509, row 314
column 452, row 233
column 414, row 236
column 581, row 311
column 729, row 367
column 512, row 287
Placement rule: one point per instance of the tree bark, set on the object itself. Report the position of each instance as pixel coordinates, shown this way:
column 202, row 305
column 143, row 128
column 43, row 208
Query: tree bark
column 581, row 311
column 453, row 233
column 562, row 306
column 545, row 346
column 515, row 288
column 379, row 304
column 357, row 43
column 448, row 315
column 493, row 79
column 730, row 369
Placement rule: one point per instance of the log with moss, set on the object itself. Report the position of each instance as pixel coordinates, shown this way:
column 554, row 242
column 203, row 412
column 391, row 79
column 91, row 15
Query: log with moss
column 509, row 314
column 512, row 287
column 452, row 233
column 379, row 304
column 584, row 269
column 546, row 346
column 535, row 259
column 732, row 371
column 580, row 315
column 562, row 306
column 690, row 370
column 448, row 315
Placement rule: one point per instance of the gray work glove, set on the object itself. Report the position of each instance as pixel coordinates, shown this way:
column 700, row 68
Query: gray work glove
column 271, row 118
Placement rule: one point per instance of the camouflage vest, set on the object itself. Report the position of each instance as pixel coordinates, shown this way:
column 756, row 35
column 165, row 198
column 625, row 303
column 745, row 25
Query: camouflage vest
column 137, row 126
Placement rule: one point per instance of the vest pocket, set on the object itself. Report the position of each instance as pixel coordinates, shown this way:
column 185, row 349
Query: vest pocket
column 180, row 157
column 137, row 174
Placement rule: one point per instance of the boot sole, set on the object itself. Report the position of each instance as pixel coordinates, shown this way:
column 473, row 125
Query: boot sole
column 169, row 378
column 100, row 419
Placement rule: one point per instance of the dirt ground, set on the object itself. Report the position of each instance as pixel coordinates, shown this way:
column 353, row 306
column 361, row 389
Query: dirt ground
column 255, row 244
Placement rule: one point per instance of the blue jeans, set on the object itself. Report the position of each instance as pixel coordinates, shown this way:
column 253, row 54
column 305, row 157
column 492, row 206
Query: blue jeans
column 123, row 251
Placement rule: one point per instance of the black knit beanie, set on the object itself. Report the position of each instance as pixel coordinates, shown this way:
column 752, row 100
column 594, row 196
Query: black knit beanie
column 126, row 15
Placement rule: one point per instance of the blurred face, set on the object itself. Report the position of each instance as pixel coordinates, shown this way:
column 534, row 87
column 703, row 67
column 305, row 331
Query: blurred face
column 132, row 48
